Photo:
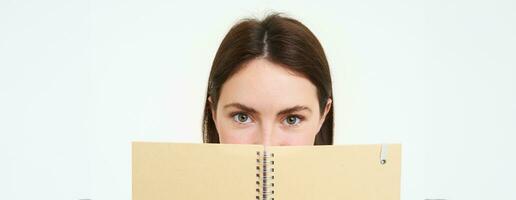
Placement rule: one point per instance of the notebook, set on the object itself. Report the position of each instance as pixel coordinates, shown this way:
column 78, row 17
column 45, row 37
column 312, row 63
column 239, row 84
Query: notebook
column 166, row 171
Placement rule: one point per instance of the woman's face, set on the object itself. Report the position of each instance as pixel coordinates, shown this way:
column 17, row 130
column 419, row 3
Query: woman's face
column 264, row 103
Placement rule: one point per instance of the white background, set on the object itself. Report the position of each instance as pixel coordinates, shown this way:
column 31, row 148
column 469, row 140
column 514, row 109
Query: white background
column 80, row 80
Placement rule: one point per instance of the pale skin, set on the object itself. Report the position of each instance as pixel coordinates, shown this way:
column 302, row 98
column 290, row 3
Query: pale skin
column 265, row 103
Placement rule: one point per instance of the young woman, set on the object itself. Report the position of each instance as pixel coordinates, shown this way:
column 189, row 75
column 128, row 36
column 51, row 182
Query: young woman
column 269, row 84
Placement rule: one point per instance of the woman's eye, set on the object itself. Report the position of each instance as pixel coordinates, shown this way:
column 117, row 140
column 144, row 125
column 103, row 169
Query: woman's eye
column 292, row 120
column 241, row 118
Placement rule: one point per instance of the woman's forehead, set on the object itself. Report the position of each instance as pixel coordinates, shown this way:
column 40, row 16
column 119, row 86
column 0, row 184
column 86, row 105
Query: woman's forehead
column 266, row 85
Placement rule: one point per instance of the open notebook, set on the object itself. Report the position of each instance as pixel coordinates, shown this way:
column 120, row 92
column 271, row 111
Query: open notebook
column 164, row 171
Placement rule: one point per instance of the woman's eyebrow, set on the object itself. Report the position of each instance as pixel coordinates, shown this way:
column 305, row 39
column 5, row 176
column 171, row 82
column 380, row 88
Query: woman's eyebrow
column 253, row 111
column 242, row 107
column 293, row 109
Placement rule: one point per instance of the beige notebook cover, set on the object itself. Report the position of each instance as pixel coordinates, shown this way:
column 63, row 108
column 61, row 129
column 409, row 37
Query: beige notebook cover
column 165, row 171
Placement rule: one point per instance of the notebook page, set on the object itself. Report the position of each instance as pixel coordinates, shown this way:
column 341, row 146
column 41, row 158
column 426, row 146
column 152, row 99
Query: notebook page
column 165, row 171
column 336, row 172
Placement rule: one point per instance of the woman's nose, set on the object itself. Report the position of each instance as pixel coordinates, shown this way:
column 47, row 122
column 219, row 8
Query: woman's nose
column 268, row 135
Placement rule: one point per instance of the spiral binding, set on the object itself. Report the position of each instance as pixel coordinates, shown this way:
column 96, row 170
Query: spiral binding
column 264, row 176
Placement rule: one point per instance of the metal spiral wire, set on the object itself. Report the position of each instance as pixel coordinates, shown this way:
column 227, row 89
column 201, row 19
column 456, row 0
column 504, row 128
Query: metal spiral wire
column 265, row 176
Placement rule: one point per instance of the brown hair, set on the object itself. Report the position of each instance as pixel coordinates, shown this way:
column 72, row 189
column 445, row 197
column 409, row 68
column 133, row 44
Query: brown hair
column 281, row 40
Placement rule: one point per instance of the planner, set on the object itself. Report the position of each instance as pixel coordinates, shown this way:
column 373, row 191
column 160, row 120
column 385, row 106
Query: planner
column 166, row 171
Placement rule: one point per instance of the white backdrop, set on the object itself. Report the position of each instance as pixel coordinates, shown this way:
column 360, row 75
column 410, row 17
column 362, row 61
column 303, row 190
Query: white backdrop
column 80, row 80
